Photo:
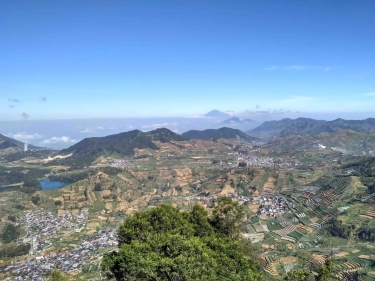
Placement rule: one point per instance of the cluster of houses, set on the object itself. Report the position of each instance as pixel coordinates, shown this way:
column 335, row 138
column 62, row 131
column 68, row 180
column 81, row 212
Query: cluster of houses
column 259, row 161
column 41, row 226
column 234, row 196
column 271, row 205
column 120, row 163
column 256, row 161
column 85, row 253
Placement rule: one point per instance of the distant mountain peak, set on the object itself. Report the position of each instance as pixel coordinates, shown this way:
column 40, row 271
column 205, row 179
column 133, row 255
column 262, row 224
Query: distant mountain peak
column 217, row 114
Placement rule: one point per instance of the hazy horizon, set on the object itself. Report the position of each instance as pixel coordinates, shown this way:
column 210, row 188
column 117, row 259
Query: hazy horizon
column 60, row 134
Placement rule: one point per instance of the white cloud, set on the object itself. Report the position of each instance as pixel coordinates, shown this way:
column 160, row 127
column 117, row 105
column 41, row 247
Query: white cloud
column 88, row 130
column 162, row 125
column 100, row 128
column 63, row 139
column 22, row 136
column 250, row 112
column 369, row 94
column 230, row 112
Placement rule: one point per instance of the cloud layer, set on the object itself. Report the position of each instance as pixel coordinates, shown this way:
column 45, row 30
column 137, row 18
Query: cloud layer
column 54, row 140
column 24, row 137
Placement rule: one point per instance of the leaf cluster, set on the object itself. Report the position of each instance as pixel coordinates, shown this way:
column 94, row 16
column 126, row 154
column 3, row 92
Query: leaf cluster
column 166, row 244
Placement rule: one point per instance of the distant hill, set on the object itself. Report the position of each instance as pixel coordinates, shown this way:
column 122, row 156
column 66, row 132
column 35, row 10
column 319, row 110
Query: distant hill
column 237, row 120
column 122, row 144
column 164, row 135
column 9, row 143
column 273, row 129
column 222, row 133
column 217, row 114
column 346, row 141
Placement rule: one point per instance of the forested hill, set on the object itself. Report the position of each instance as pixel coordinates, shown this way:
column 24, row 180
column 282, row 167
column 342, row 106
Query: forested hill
column 273, row 129
column 122, row 144
column 346, row 141
column 222, row 133
column 6, row 142
column 163, row 135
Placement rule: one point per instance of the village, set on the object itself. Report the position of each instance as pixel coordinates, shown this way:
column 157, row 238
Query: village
column 260, row 161
column 41, row 226
column 87, row 252
column 120, row 163
column 270, row 204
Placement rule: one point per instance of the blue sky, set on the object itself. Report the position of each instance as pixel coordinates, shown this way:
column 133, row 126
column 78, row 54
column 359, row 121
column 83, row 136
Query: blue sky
column 113, row 59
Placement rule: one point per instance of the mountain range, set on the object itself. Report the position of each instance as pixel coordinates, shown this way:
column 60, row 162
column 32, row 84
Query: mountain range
column 272, row 129
column 125, row 143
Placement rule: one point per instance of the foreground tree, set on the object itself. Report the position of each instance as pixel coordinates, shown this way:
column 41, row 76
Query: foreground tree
column 227, row 217
column 166, row 244
column 326, row 270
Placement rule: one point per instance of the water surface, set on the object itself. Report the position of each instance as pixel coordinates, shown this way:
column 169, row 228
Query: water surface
column 52, row 184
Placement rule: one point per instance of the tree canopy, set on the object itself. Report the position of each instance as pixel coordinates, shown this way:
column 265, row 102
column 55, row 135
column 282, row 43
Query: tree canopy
column 165, row 244
column 10, row 233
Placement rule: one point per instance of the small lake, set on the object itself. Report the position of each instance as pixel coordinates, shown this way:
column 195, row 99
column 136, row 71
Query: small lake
column 51, row 184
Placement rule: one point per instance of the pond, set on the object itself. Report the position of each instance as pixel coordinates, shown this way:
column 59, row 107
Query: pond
column 52, row 184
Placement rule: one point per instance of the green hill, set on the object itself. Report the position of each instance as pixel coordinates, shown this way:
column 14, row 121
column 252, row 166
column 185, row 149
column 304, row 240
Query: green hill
column 222, row 133
column 273, row 129
column 346, row 141
column 122, row 144
column 163, row 135
column 6, row 142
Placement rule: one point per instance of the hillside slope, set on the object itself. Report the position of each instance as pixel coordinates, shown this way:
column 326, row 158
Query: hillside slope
column 9, row 143
column 346, row 141
column 222, row 133
column 273, row 129
column 163, row 135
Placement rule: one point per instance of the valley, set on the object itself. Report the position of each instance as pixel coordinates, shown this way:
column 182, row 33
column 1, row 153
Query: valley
column 303, row 202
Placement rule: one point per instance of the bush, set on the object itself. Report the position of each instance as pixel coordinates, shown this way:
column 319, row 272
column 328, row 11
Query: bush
column 12, row 218
column 11, row 252
column 35, row 199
